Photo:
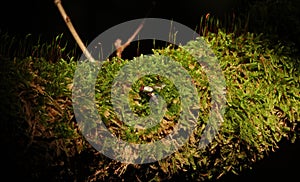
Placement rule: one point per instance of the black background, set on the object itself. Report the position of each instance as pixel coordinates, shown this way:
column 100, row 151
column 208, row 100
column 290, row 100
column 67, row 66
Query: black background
column 92, row 17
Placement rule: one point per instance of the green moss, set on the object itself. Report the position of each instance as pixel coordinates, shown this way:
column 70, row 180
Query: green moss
column 263, row 86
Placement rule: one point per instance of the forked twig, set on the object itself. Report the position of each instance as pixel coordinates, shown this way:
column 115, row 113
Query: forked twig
column 118, row 43
column 73, row 31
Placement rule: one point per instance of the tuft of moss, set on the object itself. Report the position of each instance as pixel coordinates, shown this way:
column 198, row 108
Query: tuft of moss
column 263, row 86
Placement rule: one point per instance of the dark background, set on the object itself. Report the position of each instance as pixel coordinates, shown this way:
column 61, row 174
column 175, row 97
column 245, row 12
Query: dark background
column 91, row 18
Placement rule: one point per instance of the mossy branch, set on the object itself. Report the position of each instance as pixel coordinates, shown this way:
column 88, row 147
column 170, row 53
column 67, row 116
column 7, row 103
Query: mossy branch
column 73, row 31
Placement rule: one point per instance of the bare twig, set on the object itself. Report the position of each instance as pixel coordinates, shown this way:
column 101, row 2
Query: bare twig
column 118, row 43
column 73, row 31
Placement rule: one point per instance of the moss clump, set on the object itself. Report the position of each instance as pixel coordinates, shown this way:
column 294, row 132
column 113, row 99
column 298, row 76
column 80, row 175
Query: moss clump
column 262, row 81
